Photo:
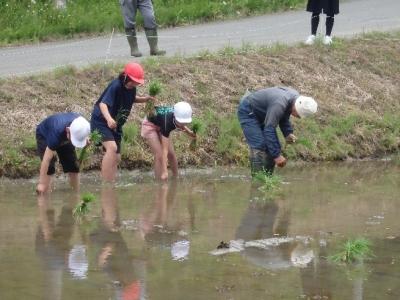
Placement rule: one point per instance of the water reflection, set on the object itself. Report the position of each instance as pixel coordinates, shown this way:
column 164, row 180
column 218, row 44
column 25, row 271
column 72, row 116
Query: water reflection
column 125, row 271
column 161, row 226
column 52, row 244
column 264, row 230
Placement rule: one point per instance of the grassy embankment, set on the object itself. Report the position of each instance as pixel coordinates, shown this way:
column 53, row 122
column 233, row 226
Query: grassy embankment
column 27, row 20
column 356, row 87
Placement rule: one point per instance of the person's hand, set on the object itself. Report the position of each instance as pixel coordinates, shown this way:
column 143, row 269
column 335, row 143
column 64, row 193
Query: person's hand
column 111, row 123
column 41, row 189
column 291, row 138
column 280, row 161
column 151, row 98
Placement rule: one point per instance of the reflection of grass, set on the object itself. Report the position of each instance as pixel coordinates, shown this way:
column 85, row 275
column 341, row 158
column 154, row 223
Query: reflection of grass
column 271, row 184
column 82, row 208
column 353, row 250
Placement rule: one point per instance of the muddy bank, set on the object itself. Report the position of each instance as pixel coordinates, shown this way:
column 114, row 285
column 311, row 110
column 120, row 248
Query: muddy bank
column 355, row 83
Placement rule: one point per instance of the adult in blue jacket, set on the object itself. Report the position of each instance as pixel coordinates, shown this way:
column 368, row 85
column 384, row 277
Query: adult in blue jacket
column 260, row 113
column 60, row 134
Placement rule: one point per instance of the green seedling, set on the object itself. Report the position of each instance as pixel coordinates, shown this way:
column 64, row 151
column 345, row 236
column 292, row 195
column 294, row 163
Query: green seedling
column 95, row 138
column 196, row 128
column 82, row 208
column 353, row 250
column 154, row 90
column 270, row 184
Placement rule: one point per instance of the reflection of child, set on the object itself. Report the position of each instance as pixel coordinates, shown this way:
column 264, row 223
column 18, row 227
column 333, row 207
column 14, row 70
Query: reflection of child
column 330, row 8
column 156, row 130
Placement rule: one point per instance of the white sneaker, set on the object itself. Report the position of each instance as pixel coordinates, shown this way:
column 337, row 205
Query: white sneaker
column 310, row 40
column 327, row 40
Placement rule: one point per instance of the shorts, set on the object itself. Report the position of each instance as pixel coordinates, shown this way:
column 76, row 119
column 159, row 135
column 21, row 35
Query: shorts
column 150, row 130
column 107, row 134
column 66, row 154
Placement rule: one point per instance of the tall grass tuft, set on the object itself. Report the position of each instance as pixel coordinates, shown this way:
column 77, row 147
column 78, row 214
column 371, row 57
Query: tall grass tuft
column 271, row 184
column 353, row 250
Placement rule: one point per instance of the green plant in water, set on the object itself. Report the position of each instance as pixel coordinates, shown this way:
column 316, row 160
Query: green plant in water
column 95, row 138
column 353, row 250
column 270, row 184
column 196, row 127
column 82, row 208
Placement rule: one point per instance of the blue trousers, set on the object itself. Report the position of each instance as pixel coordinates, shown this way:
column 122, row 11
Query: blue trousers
column 260, row 160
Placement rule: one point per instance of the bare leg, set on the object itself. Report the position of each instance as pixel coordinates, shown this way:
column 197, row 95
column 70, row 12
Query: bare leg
column 109, row 164
column 74, row 181
column 156, row 149
column 173, row 162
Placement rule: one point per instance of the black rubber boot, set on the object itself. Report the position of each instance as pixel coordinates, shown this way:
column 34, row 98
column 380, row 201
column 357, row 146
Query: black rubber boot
column 152, row 38
column 132, row 40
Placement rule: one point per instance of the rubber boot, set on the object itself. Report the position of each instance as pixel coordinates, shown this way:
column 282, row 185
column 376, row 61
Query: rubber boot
column 152, row 38
column 261, row 162
column 132, row 40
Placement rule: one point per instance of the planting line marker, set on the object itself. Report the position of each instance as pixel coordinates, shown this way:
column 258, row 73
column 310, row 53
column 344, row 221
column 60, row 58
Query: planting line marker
column 108, row 52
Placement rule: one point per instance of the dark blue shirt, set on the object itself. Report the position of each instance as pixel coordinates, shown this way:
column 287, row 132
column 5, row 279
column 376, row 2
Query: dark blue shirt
column 119, row 101
column 273, row 107
column 52, row 129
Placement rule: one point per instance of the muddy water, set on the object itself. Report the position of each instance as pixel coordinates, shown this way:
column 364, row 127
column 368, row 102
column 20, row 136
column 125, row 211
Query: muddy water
column 142, row 240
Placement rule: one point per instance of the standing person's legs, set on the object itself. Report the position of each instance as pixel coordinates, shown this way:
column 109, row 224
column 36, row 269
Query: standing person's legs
column 330, row 20
column 69, row 163
column 173, row 162
column 150, row 26
column 314, row 22
column 128, row 9
column 156, row 148
column 314, row 26
column 329, row 25
column 109, row 164
column 253, row 133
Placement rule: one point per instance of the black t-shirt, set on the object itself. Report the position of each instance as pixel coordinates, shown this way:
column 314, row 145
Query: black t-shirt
column 164, row 120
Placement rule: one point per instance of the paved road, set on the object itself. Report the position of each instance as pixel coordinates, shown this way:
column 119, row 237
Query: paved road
column 356, row 16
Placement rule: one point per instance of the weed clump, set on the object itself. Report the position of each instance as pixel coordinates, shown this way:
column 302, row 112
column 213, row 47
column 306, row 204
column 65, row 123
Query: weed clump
column 353, row 250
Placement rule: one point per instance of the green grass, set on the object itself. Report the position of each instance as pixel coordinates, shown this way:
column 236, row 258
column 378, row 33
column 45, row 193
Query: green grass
column 26, row 20
column 196, row 127
column 353, row 250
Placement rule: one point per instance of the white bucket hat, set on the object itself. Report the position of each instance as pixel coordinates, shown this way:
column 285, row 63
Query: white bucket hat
column 79, row 131
column 305, row 106
column 183, row 112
